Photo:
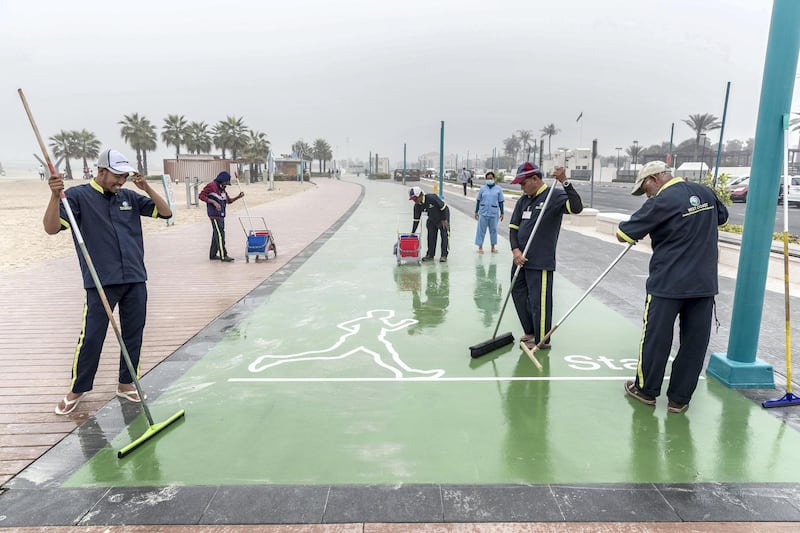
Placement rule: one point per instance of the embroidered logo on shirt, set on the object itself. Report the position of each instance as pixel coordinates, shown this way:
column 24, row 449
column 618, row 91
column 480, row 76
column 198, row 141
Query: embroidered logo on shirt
column 125, row 206
column 694, row 201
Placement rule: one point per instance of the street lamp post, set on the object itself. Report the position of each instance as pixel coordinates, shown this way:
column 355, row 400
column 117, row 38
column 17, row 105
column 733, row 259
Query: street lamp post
column 618, row 148
column 702, row 159
column 635, row 154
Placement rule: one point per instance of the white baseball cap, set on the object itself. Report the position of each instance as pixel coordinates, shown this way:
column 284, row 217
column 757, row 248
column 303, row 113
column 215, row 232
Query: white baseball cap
column 650, row 169
column 115, row 162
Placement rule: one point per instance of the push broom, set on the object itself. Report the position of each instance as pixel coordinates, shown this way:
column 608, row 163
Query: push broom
column 496, row 341
column 581, row 299
column 788, row 398
column 153, row 428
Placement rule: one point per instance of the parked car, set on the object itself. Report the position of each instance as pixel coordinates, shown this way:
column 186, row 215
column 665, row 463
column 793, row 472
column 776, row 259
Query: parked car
column 794, row 191
column 734, row 180
column 739, row 191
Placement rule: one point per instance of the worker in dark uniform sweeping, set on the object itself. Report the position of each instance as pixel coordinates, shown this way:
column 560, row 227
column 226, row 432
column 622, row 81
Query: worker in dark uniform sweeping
column 681, row 218
column 438, row 220
column 533, row 291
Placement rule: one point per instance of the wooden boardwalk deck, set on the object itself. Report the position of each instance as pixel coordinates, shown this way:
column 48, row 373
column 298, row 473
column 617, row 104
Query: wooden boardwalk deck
column 42, row 307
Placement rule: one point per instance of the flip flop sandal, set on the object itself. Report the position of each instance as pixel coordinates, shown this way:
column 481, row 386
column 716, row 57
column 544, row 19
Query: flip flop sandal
column 69, row 405
column 130, row 395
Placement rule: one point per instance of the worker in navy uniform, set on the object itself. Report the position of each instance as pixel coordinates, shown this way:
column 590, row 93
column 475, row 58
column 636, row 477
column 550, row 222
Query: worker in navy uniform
column 438, row 220
column 535, row 280
column 681, row 218
column 216, row 197
column 109, row 219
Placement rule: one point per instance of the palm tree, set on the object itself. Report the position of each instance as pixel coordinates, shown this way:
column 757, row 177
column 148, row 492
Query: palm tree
column 511, row 146
column 633, row 151
column 525, row 137
column 140, row 133
column 548, row 131
column 322, row 151
column 87, row 146
column 256, row 151
column 64, row 144
column 221, row 136
column 197, row 139
column 701, row 124
column 303, row 151
column 173, row 132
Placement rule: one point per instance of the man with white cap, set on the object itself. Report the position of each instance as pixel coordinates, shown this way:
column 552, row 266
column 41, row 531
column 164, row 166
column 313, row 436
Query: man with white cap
column 681, row 218
column 109, row 219
column 438, row 220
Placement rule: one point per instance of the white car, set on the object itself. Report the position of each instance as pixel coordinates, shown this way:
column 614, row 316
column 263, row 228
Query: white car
column 794, row 191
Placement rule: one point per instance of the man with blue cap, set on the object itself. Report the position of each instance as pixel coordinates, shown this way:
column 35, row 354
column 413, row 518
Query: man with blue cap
column 216, row 198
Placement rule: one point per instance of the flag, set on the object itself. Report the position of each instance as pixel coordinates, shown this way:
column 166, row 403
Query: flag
column 579, row 117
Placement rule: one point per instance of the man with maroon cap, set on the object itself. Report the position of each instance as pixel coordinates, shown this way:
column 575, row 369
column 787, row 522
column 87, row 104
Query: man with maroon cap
column 535, row 279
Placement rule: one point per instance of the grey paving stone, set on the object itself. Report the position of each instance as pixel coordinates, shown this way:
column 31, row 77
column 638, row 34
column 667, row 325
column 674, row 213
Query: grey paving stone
column 500, row 503
column 147, row 506
column 46, row 507
column 611, row 503
column 382, row 503
column 267, row 505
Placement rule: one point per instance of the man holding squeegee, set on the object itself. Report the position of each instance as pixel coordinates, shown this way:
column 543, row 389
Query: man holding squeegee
column 681, row 218
column 109, row 218
column 533, row 290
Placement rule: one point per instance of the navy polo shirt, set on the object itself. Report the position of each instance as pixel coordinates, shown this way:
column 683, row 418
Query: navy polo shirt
column 112, row 231
column 435, row 207
column 542, row 253
column 682, row 220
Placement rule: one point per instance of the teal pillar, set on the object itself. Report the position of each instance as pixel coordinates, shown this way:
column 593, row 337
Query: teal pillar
column 441, row 161
column 739, row 367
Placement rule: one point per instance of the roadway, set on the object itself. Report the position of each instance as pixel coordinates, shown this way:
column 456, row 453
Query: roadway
column 616, row 198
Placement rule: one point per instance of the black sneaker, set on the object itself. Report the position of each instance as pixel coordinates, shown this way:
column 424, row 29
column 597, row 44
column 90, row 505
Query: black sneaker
column 428, row 258
column 675, row 407
column 443, row 259
column 227, row 259
column 634, row 392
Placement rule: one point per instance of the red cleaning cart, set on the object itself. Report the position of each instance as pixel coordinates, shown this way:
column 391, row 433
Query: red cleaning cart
column 407, row 248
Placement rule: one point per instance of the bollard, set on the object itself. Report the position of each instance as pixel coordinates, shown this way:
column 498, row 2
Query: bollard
column 188, row 192
column 196, row 196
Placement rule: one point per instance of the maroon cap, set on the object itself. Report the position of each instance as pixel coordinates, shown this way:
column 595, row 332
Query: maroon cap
column 526, row 170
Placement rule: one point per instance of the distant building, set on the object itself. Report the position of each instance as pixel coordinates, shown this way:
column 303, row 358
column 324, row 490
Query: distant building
column 205, row 167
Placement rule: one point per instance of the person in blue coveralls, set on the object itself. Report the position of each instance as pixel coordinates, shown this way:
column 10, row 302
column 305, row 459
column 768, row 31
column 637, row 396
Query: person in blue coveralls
column 488, row 209
column 681, row 218
column 533, row 291
column 109, row 219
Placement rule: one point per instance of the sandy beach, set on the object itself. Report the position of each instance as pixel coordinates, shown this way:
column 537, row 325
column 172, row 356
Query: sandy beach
column 25, row 198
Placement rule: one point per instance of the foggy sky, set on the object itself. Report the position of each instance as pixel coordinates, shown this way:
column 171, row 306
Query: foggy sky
column 371, row 75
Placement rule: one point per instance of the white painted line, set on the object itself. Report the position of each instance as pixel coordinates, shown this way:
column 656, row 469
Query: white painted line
column 463, row 379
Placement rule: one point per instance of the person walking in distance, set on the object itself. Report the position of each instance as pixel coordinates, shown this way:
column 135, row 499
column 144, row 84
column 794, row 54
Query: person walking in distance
column 488, row 208
column 438, row 220
column 533, row 291
column 681, row 218
column 109, row 219
column 464, row 178
column 216, row 197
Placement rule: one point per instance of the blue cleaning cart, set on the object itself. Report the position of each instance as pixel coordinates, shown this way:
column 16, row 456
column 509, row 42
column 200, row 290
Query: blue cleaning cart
column 260, row 240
